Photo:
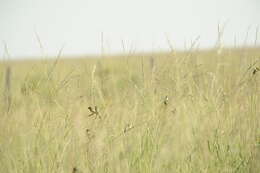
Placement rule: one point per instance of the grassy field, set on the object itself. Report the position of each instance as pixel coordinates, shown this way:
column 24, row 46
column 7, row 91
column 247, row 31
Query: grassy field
column 194, row 111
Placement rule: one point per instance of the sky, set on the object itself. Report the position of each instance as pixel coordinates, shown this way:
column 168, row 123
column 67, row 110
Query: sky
column 79, row 27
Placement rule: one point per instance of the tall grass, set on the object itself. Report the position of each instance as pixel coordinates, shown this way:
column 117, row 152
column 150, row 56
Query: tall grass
column 195, row 111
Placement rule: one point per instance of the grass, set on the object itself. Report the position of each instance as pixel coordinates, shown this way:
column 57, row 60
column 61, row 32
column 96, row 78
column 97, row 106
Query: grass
column 195, row 111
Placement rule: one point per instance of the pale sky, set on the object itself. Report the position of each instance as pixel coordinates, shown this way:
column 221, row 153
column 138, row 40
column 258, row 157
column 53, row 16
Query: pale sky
column 141, row 24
